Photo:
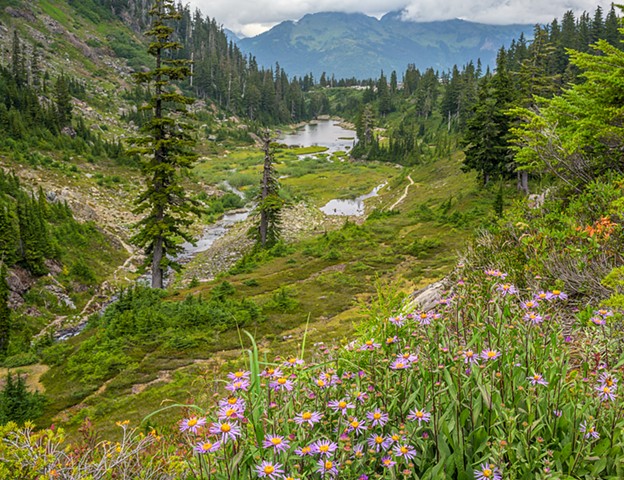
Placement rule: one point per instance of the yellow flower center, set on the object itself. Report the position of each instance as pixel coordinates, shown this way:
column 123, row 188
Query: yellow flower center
column 378, row 440
column 342, row 404
column 231, row 400
column 536, row 377
column 606, row 390
column 542, row 295
column 469, row 353
column 403, row 450
column 355, row 424
column 306, row 415
column 292, row 361
column 491, row 354
column 487, row 472
column 369, row 342
column 229, row 412
column 306, row 450
column 281, row 380
column 225, row 428
column 276, row 441
column 269, row 469
column 239, row 374
column 320, row 383
column 324, row 448
column 192, row 422
column 395, row 437
column 400, row 365
column 207, row 446
column 556, row 292
column 328, row 465
column 419, row 414
column 376, row 415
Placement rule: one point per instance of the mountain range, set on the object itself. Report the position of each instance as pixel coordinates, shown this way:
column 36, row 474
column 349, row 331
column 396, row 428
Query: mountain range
column 355, row 45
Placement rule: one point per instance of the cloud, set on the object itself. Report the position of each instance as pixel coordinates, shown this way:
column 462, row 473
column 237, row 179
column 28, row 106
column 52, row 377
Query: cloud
column 251, row 17
column 497, row 11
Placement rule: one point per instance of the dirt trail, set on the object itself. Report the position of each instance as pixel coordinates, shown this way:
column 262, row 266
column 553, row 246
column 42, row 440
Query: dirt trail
column 402, row 197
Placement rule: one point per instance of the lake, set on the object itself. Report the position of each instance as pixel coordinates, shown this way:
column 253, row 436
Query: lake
column 326, row 133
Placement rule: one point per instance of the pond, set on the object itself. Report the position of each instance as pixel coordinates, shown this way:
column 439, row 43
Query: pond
column 325, row 133
column 353, row 207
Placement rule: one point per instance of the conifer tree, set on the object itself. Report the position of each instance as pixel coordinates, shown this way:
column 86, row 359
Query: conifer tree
column 5, row 311
column 166, row 147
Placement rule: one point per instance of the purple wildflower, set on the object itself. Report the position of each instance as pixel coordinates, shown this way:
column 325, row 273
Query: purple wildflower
column 507, row 289
column 276, row 442
column 356, row 426
column 270, row 470
column 489, row 354
column 282, row 384
column 419, row 415
column 606, row 393
column 239, row 375
column 400, row 364
column 304, row 451
column 470, row 357
column 369, row 345
column 327, row 467
column 534, row 318
column 387, row 462
column 227, row 430
column 537, row 379
column 607, row 379
column 379, row 442
column 229, row 412
column 271, row 372
column 399, row 320
column 377, row 417
column 324, row 447
column 340, row 405
column 488, row 472
column 556, row 295
column 192, row 424
column 406, row 451
column 238, row 385
column 590, row 432
column 529, row 304
column 308, row 417
column 207, row 447
column 293, row 362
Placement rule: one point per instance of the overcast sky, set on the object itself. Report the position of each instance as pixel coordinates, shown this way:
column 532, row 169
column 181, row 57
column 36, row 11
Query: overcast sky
column 251, row 17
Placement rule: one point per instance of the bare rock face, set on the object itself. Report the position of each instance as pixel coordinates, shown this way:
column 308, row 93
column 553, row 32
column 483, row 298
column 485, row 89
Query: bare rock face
column 427, row 298
column 19, row 281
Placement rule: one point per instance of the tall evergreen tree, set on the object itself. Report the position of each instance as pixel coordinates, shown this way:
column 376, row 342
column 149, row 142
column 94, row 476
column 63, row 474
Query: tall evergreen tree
column 166, row 148
column 5, row 311
column 269, row 202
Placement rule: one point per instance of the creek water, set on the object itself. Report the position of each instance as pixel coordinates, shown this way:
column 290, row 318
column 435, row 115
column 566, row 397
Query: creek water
column 350, row 207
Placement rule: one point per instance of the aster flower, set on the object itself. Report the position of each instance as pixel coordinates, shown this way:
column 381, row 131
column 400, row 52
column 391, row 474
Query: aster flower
column 489, row 354
column 470, row 357
column 281, row 384
column 424, row 318
column 400, row 364
column 229, row 412
column 270, row 470
column 239, row 375
column 293, row 362
column 488, row 472
column 207, row 446
column 327, row 467
column 507, row 289
column 340, row 405
column 598, row 320
column 369, row 345
column 408, row 357
column 406, row 451
column 392, row 340
column 419, row 415
column 238, row 385
column 356, row 426
column 360, row 396
column 271, row 372
column 607, row 379
column 304, row 451
column 534, row 318
column 277, row 442
column 192, row 424
column 589, row 431
column 239, row 403
column 308, row 417
column 529, row 304
column 379, row 442
column 324, row 447
column 606, row 393
column 541, row 296
column 537, row 379
column 227, row 430
column 399, row 320
column 358, row 451
column 604, row 313
column 377, row 418
column 387, row 462
column 395, row 437
column 556, row 295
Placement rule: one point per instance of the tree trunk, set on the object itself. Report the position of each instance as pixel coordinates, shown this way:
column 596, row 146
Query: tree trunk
column 264, row 217
column 157, row 271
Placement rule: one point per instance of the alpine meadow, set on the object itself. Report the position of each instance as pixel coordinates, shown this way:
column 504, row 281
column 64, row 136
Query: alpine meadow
column 350, row 247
